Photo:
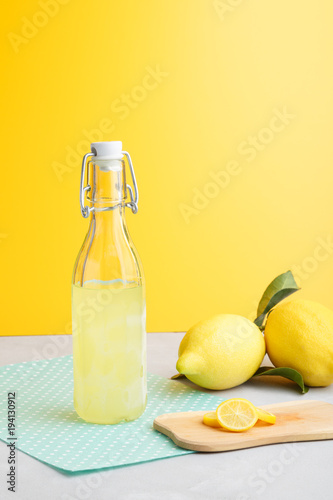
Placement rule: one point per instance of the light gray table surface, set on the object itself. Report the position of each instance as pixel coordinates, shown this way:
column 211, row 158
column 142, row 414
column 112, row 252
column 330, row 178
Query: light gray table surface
column 276, row 472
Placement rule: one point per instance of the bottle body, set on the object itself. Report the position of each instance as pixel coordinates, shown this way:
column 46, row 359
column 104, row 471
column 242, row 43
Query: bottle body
column 108, row 309
column 109, row 353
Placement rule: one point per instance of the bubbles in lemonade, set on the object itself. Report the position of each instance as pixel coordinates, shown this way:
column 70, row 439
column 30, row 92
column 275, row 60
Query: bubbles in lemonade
column 109, row 348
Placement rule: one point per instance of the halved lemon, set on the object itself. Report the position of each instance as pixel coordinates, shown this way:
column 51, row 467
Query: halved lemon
column 210, row 419
column 265, row 416
column 237, row 415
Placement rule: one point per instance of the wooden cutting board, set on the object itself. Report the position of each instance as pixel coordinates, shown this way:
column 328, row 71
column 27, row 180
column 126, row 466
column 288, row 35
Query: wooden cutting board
column 295, row 421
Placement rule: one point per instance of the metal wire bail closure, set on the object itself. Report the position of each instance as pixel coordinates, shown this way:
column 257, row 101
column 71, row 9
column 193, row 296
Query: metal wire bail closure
column 85, row 210
column 133, row 204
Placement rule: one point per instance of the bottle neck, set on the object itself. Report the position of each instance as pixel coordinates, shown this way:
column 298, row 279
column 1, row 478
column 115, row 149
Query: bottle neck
column 107, row 197
column 108, row 185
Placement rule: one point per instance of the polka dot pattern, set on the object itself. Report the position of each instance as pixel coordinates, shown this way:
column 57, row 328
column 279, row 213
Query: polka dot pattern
column 49, row 429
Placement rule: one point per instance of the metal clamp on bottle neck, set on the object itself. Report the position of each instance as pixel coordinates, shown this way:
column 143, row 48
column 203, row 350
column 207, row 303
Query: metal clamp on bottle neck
column 133, row 204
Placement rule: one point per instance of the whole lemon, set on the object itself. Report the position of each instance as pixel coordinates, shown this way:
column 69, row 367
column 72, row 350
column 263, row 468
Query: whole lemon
column 221, row 352
column 299, row 334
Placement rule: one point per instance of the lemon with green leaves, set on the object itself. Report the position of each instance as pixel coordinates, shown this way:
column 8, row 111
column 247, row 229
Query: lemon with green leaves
column 299, row 335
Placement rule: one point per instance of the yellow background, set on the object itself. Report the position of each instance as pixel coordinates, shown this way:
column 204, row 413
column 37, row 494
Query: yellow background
column 229, row 65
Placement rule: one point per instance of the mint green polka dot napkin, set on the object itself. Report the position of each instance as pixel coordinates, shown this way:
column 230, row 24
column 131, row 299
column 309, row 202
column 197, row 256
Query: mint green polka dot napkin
column 49, row 429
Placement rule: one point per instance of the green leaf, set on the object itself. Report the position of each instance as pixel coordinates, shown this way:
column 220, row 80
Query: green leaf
column 280, row 288
column 285, row 372
column 178, row 375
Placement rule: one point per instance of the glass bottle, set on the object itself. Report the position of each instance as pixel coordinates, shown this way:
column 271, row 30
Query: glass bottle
column 108, row 296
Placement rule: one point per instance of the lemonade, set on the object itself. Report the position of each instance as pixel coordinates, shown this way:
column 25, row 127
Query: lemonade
column 109, row 352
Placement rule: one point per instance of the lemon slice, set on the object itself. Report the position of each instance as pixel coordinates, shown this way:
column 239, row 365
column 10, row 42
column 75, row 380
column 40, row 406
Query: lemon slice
column 237, row 415
column 265, row 416
column 210, row 419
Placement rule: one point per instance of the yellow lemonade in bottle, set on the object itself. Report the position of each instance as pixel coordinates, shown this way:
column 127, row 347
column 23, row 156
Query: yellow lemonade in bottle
column 109, row 350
